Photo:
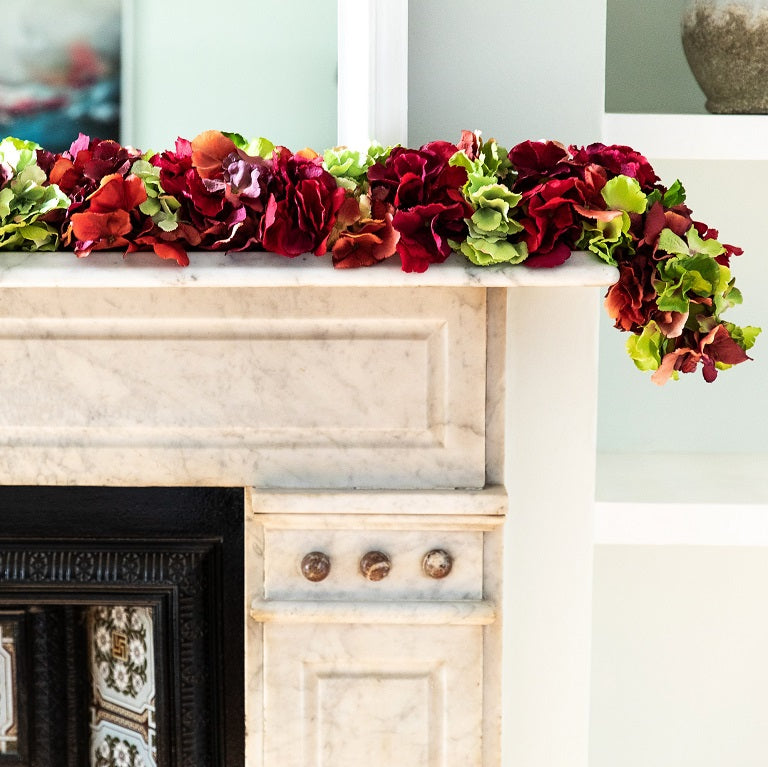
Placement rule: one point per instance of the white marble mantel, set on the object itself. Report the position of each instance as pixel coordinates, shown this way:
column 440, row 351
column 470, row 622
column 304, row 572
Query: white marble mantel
column 459, row 394
column 228, row 270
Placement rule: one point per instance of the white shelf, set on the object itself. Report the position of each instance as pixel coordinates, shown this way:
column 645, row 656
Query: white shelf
column 701, row 137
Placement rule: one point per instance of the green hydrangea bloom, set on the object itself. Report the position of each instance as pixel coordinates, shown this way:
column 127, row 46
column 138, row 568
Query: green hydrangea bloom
column 161, row 207
column 349, row 166
column 492, row 223
column 25, row 197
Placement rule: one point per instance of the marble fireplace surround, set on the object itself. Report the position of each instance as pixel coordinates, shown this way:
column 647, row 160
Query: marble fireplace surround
column 462, row 400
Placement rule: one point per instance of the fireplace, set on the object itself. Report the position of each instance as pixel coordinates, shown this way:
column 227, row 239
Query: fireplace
column 121, row 627
column 357, row 412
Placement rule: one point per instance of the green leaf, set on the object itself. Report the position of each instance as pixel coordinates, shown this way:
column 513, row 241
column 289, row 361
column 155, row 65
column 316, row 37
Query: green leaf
column 624, row 193
column 745, row 337
column 646, row 349
column 710, row 247
column 6, row 195
column 675, row 195
column 671, row 243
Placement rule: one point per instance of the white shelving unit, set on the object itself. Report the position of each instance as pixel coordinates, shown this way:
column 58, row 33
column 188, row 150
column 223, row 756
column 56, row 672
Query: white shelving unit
column 686, row 136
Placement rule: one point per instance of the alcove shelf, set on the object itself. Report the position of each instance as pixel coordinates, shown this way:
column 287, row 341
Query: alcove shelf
column 689, row 136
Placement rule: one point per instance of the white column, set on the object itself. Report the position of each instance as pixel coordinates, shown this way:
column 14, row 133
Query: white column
column 549, row 467
column 373, row 72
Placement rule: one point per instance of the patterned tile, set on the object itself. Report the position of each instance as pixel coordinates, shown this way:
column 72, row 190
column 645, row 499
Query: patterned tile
column 122, row 665
column 112, row 746
column 8, row 687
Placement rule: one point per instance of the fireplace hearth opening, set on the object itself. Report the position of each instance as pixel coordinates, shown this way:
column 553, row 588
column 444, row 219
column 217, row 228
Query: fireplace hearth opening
column 121, row 627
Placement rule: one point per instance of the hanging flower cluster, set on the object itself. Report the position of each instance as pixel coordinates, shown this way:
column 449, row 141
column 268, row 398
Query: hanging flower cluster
column 535, row 204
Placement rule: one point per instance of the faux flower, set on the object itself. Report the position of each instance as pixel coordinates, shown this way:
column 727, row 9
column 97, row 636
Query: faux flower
column 302, row 205
column 208, row 216
column 26, row 198
column 365, row 243
column 492, row 227
column 425, row 191
column 714, row 351
column 631, row 301
column 617, row 160
column 108, row 218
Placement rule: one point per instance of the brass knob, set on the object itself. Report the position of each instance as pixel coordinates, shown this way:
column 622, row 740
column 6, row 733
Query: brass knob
column 375, row 565
column 437, row 563
column 315, row 566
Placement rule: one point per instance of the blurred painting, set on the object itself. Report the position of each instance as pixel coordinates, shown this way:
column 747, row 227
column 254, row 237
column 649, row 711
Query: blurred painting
column 60, row 70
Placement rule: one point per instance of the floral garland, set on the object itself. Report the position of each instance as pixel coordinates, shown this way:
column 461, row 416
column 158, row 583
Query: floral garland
column 535, row 203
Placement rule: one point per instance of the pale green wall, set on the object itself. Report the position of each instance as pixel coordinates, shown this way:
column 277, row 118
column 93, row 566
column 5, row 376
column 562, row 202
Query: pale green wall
column 646, row 70
column 482, row 66
column 253, row 66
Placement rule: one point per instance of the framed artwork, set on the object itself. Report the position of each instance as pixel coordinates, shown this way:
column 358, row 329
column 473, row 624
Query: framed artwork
column 60, row 70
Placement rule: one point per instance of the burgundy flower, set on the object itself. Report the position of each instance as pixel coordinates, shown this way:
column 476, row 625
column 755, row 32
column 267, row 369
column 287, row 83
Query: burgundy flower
column 618, row 160
column 426, row 194
column 302, row 206
column 549, row 218
column 425, row 231
column 79, row 171
column 533, row 159
column 216, row 218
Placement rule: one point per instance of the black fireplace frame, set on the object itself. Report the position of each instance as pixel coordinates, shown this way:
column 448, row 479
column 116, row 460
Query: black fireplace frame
column 177, row 550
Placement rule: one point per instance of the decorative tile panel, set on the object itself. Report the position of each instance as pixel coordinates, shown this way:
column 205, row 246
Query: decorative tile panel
column 122, row 664
column 9, row 714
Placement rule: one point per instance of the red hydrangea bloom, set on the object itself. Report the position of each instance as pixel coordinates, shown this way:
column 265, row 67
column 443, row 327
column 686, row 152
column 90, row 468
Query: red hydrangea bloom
column 425, row 192
column 79, row 171
column 302, row 205
column 550, row 223
column 534, row 159
column 107, row 221
column 631, row 300
column 618, row 160
column 216, row 219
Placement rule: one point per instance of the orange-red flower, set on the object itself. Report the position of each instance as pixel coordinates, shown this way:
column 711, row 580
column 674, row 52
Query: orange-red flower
column 107, row 221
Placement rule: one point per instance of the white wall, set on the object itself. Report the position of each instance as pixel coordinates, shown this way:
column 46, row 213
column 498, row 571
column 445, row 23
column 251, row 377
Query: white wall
column 257, row 67
column 679, row 662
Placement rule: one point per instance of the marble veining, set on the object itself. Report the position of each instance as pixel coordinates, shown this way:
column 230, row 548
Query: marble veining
column 407, row 705
column 278, row 388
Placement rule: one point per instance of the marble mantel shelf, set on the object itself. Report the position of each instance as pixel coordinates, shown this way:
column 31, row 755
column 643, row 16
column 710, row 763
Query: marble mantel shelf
column 239, row 270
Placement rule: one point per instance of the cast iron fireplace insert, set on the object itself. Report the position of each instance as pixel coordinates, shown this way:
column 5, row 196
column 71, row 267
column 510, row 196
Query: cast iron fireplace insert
column 120, row 585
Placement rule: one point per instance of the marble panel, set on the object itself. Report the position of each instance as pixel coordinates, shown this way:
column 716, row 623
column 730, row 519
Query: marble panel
column 275, row 388
column 410, row 696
